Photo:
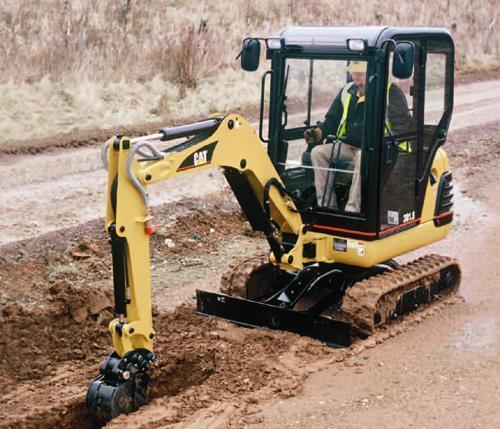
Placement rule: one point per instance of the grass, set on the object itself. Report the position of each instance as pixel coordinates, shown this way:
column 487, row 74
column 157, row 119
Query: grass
column 45, row 108
column 81, row 64
column 59, row 267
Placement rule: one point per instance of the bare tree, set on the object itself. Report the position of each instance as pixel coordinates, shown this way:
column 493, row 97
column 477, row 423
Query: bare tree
column 66, row 20
column 489, row 31
column 126, row 10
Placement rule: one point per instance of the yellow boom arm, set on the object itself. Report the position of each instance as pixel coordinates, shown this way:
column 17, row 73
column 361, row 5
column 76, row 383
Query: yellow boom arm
column 233, row 146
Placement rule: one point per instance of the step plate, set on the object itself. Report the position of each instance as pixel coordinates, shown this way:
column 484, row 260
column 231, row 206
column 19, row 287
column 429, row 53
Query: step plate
column 334, row 333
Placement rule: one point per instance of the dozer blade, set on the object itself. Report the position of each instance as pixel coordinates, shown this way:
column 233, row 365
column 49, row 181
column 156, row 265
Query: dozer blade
column 255, row 314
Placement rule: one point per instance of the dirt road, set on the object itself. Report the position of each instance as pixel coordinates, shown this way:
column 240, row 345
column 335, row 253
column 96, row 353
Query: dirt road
column 61, row 188
column 438, row 367
column 445, row 370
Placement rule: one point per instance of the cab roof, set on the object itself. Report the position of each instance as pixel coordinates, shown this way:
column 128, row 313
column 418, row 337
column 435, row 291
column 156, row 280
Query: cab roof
column 335, row 38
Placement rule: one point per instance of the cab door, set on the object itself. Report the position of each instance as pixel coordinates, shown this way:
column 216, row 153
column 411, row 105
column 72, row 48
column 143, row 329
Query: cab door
column 437, row 106
column 414, row 132
column 400, row 149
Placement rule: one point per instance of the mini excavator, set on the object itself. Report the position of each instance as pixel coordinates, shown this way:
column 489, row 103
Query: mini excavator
column 330, row 273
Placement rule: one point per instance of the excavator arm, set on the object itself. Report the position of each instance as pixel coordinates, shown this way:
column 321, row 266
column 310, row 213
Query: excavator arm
column 133, row 164
column 232, row 146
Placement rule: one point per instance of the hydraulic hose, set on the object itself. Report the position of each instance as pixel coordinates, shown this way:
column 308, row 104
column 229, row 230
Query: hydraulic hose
column 130, row 173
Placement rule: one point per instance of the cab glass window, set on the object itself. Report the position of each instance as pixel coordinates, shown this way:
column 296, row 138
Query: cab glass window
column 323, row 121
column 399, row 153
column 435, row 74
column 438, row 96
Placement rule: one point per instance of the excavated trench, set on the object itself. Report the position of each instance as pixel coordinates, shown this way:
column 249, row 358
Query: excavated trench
column 39, row 402
column 56, row 303
column 54, row 358
column 51, row 352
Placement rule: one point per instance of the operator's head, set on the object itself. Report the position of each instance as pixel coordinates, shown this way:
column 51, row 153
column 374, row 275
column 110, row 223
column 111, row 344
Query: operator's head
column 358, row 73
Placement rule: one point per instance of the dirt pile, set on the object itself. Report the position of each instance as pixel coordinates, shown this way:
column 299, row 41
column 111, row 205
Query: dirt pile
column 70, row 326
column 56, row 293
column 203, row 361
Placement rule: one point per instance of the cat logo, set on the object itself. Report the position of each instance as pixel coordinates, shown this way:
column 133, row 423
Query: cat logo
column 200, row 158
column 203, row 156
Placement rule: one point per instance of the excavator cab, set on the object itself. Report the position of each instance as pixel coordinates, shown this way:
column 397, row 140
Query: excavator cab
column 407, row 109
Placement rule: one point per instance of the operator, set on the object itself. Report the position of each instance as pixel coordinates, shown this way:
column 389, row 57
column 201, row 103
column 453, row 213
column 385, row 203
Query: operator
column 345, row 118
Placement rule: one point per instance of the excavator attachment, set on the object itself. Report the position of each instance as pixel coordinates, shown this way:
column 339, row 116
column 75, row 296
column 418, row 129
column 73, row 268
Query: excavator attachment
column 331, row 305
column 121, row 387
column 335, row 333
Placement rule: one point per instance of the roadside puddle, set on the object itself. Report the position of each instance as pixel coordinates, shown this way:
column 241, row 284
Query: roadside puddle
column 468, row 211
column 477, row 336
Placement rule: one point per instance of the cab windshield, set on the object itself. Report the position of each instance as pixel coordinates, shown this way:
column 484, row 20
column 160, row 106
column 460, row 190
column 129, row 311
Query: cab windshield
column 324, row 111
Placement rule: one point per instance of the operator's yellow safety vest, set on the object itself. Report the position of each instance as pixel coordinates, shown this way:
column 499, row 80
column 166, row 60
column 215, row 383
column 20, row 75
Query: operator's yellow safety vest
column 345, row 98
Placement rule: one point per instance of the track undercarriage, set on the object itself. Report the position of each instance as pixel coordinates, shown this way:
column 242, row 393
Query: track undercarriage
column 330, row 303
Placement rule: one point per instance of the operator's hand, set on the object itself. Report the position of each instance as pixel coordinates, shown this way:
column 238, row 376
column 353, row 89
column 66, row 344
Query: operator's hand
column 313, row 135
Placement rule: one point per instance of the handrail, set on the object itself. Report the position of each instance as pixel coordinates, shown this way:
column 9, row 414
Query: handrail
column 262, row 92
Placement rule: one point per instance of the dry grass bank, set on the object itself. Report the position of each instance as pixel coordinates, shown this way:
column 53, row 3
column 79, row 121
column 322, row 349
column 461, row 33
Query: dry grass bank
column 77, row 64
column 45, row 108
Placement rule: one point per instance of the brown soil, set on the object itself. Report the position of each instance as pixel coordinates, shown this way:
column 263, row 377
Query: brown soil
column 56, row 302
